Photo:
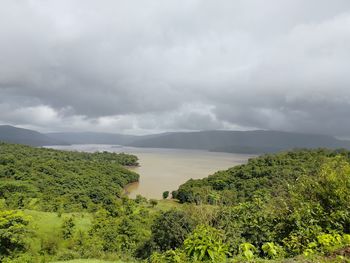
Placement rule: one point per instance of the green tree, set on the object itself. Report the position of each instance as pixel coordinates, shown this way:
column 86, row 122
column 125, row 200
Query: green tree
column 13, row 231
column 170, row 229
column 174, row 194
column 140, row 199
column 165, row 194
column 68, row 228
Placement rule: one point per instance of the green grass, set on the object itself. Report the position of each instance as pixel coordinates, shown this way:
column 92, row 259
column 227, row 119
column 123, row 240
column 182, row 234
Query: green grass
column 48, row 223
column 47, row 226
column 167, row 204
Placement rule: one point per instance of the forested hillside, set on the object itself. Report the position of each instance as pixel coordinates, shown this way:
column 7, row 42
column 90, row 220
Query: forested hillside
column 265, row 175
column 50, row 180
column 298, row 202
column 287, row 207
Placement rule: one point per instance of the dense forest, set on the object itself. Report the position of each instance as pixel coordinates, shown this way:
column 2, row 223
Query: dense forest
column 268, row 175
column 51, row 180
column 288, row 207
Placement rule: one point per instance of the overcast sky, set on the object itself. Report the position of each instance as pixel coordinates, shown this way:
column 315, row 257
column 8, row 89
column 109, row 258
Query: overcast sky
column 164, row 65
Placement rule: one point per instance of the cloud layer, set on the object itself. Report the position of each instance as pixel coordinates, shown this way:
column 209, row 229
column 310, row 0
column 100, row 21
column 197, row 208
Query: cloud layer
column 148, row 66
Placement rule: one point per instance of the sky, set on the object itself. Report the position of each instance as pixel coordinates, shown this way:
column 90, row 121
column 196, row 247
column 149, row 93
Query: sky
column 150, row 66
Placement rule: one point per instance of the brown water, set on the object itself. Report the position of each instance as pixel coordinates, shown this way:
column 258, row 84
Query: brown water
column 165, row 169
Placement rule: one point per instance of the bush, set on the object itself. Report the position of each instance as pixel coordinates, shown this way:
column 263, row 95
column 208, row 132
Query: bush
column 247, row 250
column 165, row 194
column 13, row 232
column 170, row 229
column 67, row 228
column 153, row 202
column 206, row 244
column 272, row 251
column 170, row 256
column 49, row 245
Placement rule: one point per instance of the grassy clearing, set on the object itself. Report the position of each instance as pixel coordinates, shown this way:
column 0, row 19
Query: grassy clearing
column 48, row 223
column 166, row 204
column 48, row 228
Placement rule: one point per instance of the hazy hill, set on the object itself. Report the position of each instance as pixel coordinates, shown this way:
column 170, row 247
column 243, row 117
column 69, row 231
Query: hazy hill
column 241, row 141
column 92, row 137
column 222, row 141
column 12, row 134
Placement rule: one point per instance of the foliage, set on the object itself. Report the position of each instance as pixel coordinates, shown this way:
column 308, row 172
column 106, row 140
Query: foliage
column 327, row 243
column 140, row 199
column 153, row 202
column 165, row 194
column 252, row 222
column 267, row 174
column 291, row 204
column 317, row 203
column 286, row 199
column 53, row 180
column 247, row 250
column 170, row 256
column 272, row 251
column 206, row 243
column 170, row 229
column 125, row 234
column 13, row 230
column 68, row 228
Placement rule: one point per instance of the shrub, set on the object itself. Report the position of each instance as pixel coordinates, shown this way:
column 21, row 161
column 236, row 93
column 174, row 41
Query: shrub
column 272, row 251
column 170, row 229
column 165, row 194
column 13, row 231
column 206, row 244
column 170, row 256
column 153, row 202
column 247, row 250
column 68, row 228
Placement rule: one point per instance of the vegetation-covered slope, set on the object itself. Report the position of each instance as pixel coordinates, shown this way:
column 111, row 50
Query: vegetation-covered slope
column 268, row 174
column 288, row 207
column 51, row 180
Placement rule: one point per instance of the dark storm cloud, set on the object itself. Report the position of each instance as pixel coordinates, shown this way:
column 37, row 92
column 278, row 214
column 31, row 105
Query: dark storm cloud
column 143, row 66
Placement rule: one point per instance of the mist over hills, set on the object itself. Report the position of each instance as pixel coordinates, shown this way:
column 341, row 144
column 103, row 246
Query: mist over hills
column 25, row 136
column 253, row 142
column 258, row 141
column 92, row 137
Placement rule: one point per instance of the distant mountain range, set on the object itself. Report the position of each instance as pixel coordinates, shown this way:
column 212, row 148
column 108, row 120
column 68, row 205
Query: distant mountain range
column 24, row 136
column 92, row 138
column 258, row 141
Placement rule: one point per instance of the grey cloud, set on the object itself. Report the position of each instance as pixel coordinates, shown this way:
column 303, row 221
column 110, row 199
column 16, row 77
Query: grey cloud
column 142, row 66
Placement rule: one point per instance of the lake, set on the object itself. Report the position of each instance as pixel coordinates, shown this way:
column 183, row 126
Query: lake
column 165, row 169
